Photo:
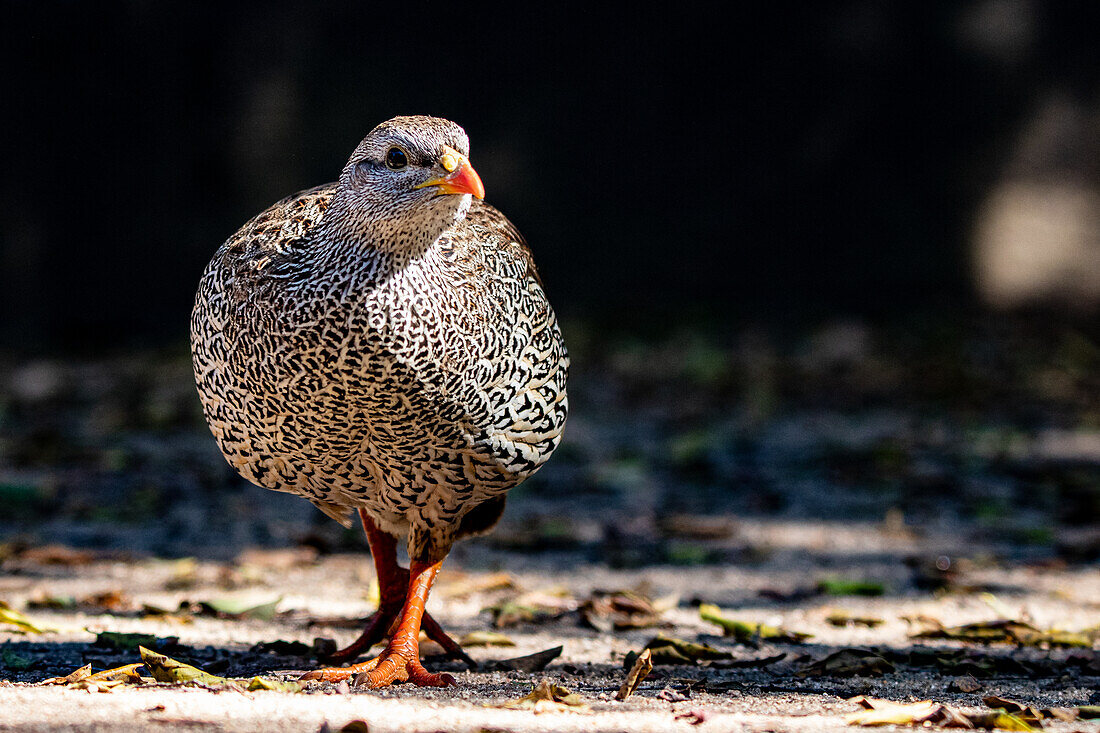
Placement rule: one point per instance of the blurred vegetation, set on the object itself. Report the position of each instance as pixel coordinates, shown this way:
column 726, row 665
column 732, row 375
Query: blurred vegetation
column 988, row 423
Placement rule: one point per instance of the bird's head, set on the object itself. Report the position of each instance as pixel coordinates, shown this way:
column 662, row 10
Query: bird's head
column 409, row 174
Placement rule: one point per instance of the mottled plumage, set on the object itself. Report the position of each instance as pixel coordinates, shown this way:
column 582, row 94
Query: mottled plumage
column 373, row 344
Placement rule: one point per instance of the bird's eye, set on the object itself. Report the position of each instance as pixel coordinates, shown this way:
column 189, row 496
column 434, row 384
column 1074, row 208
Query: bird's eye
column 396, row 159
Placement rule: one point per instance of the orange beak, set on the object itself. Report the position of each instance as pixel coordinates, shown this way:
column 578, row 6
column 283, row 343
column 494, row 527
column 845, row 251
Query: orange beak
column 461, row 176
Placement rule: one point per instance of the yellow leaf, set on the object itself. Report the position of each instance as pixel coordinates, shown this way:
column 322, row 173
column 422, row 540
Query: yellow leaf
column 127, row 673
column 885, row 712
column 10, row 616
column 166, row 669
column 259, row 683
column 485, row 638
column 669, row 650
column 546, row 697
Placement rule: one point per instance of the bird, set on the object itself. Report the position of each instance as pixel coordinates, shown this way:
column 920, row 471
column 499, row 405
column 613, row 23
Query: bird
column 383, row 345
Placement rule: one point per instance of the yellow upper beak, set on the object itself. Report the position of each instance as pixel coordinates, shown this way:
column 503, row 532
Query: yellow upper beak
column 461, row 176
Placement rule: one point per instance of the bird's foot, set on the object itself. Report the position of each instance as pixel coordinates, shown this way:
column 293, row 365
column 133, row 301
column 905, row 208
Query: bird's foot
column 389, row 667
column 382, row 624
column 400, row 662
column 397, row 666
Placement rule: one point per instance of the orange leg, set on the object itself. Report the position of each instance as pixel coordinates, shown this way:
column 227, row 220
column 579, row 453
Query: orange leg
column 393, row 580
column 400, row 662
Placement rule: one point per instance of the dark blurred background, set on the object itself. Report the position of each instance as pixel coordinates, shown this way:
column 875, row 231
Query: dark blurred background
column 860, row 157
column 883, row 211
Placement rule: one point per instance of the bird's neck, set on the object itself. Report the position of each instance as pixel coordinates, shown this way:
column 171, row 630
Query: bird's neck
column 353, row 234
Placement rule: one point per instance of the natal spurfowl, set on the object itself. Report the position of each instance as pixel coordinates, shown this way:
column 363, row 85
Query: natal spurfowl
column 383, row 344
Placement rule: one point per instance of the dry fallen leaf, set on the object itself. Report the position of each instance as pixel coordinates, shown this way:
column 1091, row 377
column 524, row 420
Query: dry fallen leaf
column 236, row 608
column 1007, row 631
column 925, row 713
column 281, row 559
column 625, row 609
column 112, row 601
column 887, row 712
column 643, row 665
column 843, row 618
column 42, row 599
column 57, row 555
column 1000, row 720
column 464, row 585
column 185, row 574
column 965, row 683
column 166, row 669
column 547, row 697
column 74, row 676
column 105, row 681
column 528, row 663
column 848, row 663
column 695, row 716
column 536, row 607
column 510, row 613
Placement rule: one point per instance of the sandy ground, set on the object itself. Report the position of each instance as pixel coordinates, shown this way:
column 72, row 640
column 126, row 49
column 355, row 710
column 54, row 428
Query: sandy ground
column 321, row 596
column 954, row 467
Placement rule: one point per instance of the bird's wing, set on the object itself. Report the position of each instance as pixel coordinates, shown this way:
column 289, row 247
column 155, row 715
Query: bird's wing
column 520, row 405
column 265, row 248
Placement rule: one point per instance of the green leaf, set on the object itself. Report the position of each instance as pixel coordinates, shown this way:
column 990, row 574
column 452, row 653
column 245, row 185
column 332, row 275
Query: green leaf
column 748, row 633
column 849, row 587
column 13, row 661
column 124, row 642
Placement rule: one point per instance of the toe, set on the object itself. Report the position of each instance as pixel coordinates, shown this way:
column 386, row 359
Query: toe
column 338, row 674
